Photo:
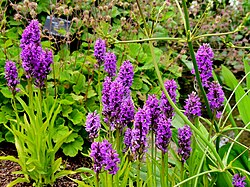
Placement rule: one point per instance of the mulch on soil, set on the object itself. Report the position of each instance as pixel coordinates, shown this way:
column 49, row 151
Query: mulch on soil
column 7, row 167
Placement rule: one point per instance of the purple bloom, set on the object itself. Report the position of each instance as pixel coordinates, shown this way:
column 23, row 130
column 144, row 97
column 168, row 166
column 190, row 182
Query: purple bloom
column 163, row 133
column 31, row 57
column 104, row 156
column 165, row 106
column 127, row 139
column 93, row 124
column 115, row 100
column 35, row 61
column 110, row 64
column 126, row 75
column 99, row 50
column 192, row 106
column 139, row 133
column 126, row 114
column 112, row 158
column 152, row 104
column 105, row 93
column 31, row 34
column 238, row 181
column 11, row 76
column 204, row 57
column 42, row 68
column 215, row 97
column 98, row 156
column 184, row 141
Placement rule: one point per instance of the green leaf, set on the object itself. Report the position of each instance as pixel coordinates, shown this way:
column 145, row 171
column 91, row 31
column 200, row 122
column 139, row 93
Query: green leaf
column 137, row 83
column 71, row 138
column 6, row 92
column 59, row 132
column 244, row 102
column 247, row 70
column 115, row 12
column 66, row 110
column 77, row 97
column 80, row 80
column 134, row 49
column 76, row 116
column 91, row 93
column 71, row 149
column 18, row 180
column 240, row 162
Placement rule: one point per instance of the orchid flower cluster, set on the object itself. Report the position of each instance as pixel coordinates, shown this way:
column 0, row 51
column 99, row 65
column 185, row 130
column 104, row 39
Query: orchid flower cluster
column 156, row 116
column 35, row 61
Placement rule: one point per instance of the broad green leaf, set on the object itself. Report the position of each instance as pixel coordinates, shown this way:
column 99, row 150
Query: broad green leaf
column 71, row 138
column 6, row 92
column 79, row 79
column 137, row 83
column 66, row 110
column 71, row 149
column 76, row 116
column 59, row 132
column 243, row 105
column 134, row 49
column 77, row 97
column 91, row 93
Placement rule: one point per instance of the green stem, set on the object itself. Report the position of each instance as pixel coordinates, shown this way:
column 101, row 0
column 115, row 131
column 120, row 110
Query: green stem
column 138, row 173
column 163, row 181
column 99, row 88
column 214, row 34
column 152, row 156
column 143, row 18
column 97, row 180
column 118, row 141
column 30, row 90
column 151, row 39
column 182, row 171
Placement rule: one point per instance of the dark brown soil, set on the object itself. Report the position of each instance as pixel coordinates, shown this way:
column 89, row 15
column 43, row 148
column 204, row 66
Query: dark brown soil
column 7, row 167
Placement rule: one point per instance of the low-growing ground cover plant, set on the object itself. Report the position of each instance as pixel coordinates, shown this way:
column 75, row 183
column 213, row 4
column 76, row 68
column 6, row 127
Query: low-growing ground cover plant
column 133, row 131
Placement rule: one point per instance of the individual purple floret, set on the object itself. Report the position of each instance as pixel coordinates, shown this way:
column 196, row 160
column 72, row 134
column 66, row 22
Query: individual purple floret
column 100, row 50
column 192, row 106
column 104, row 157
column 215, row 97
column 42, row 68
column 127, row 111
column 31, row 34
column 238, row 181
column 110, row 64
column 163, row 133
column 31, row 58
column 165, row 106
column 204, row 57
column 93, row 124
column 126, row 75
column 127, row 139
column 184, row 141
column 112, row 158
column 152, row 104
column 11, row 76
column 139, row 133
